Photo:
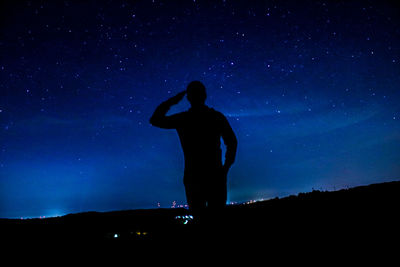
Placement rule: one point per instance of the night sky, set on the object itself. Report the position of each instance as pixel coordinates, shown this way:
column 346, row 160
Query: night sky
column 311, row 89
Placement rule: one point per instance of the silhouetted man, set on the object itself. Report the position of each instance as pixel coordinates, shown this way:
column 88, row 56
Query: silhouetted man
column 200, row 130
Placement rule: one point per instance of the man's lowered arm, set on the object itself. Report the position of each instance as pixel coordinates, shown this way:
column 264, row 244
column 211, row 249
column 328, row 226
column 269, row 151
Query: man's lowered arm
column 231, row 145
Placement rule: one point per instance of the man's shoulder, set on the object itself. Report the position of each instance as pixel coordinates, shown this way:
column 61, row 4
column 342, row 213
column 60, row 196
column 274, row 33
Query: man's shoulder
column 217, row 113
column 181, row 116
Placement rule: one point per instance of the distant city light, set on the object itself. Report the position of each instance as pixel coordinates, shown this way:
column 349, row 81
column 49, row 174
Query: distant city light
column 174, row 205
column 139, row 233
column 184, row 218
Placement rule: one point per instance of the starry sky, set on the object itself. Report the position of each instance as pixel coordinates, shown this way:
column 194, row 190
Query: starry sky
column 311, row 89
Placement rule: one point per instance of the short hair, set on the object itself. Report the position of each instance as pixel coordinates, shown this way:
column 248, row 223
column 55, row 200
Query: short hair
column 196, row 93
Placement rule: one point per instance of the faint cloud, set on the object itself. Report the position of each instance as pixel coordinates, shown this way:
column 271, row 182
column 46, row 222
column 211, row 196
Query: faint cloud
column 40, row 123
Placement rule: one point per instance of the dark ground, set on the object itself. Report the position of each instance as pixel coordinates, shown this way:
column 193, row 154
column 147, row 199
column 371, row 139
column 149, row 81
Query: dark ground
column 360, row 217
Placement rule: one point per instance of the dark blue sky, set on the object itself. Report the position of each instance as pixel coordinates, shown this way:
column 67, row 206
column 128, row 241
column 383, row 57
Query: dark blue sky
column 311, row 89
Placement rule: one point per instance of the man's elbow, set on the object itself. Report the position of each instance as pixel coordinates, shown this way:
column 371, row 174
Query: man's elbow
column 158, row 122
column 154, row 121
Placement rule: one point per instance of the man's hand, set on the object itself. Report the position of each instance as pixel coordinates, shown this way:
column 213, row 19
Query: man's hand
column 176, row 99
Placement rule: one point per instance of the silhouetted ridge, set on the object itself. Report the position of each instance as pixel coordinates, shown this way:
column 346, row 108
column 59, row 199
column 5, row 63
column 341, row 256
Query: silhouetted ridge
column 360, row 213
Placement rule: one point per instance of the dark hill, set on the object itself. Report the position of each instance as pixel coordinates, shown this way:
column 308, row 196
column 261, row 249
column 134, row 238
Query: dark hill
column 359, row 214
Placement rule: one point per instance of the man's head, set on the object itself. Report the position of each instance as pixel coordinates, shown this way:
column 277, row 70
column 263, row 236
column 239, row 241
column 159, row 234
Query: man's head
column 196, row 93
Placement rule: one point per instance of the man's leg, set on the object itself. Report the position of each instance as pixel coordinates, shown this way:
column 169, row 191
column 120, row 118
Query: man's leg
column 216, row 200
column 217, row 190
column 196, row 201
column 217, row 196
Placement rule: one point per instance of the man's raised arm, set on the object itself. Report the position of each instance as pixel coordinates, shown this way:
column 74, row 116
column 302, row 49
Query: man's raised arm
column 159, row 118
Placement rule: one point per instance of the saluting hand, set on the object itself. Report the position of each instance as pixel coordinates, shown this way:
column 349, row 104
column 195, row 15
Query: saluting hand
column 177, row 98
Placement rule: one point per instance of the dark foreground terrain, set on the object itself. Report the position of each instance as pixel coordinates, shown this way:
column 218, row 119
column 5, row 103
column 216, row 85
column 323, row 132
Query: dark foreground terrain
column 366, row 215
